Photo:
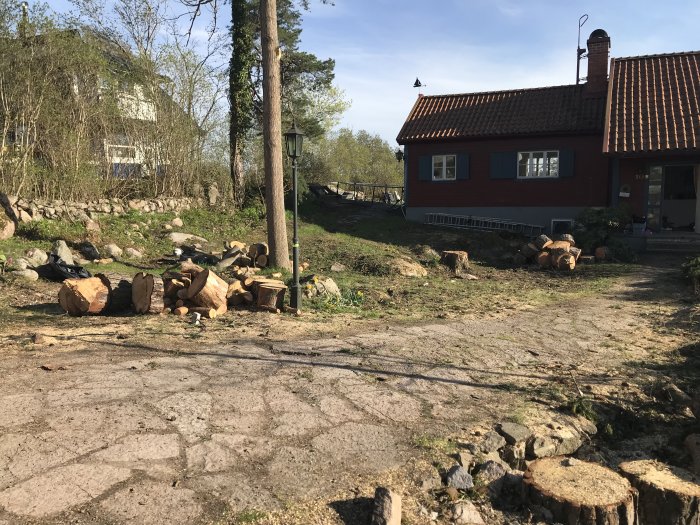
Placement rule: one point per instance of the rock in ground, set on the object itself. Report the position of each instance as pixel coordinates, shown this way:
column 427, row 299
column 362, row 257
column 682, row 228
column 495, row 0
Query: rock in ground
column 492, row 442
column 7, row 227
column 387, row 507
column 133, row 253
column 514, row 433
column 177, row 222
column 36, row 257
column 407, row 268
column 490, row 475
column 26, row 274
column 113, row 251
column 180, row 238
column 459, row 478
column 314, row 285
column 465, row 513
column 337, row 267
column 60, row 249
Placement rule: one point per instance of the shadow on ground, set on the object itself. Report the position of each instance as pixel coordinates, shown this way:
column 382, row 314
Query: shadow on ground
column 353, row 511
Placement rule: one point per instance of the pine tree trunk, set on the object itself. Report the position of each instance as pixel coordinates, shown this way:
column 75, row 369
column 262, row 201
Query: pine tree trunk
column 272, row 137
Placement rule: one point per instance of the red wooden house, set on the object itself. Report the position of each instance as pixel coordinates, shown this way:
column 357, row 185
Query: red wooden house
column 538, row 156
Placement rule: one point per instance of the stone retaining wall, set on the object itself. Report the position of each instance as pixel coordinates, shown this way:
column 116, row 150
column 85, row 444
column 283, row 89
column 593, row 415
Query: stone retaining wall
column 27, row 210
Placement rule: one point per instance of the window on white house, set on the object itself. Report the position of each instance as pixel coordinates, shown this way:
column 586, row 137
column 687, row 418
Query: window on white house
column 444, row 167
column 538, row 164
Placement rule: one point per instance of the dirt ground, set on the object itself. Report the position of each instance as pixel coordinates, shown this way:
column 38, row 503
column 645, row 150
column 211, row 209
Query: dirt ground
column 257, row 418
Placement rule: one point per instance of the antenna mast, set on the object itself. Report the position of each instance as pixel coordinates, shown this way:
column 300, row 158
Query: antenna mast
column 580, row 52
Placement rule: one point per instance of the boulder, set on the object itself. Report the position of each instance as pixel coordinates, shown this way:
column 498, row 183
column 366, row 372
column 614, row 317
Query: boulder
column 113, row 251
column 36, row 257
column 314, row 285
column 7, row 227
column 490, row 475
column 179, row 238
column 92, row 226
column 459, row 478
column 513, row 432
column 492, row 442
column 177, row 222
column 133, row 253
column 20, row 264
column 26, row 275
column 407, row 268
column 60, row 249
column 337, row 267
column 465, row 513
column 387, row 507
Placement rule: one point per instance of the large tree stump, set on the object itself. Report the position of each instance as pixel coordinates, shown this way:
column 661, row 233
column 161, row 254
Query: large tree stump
column 667, row 495
column 544, row 260
column 455, row 260
column 271, row 296
column 579, row 493
column 120, row 291
column 208, row 290
column 147, row 294
column 84, row 296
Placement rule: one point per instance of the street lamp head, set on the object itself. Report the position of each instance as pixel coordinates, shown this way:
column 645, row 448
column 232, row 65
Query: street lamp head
column 399, row 154
column 294, row 140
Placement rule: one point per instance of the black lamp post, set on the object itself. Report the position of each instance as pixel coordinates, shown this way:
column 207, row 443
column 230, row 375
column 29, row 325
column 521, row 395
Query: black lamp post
column 399, row 154
column 294, row 140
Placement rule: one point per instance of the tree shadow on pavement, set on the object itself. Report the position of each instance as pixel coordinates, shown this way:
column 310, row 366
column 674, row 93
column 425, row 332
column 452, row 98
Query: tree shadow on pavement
column 353, row 511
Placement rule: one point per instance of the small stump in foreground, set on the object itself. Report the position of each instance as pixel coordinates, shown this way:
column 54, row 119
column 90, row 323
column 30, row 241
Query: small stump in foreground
column 578, row 492
column 667, row 495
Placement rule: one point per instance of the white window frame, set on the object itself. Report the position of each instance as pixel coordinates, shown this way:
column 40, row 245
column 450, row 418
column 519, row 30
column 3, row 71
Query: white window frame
column 529, row 175
column 443, row 159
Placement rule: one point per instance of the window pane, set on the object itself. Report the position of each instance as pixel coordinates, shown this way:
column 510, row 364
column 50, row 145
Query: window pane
column 450, row 164
column 538, row 164
column 438, row 165
column 553, row 163
column 522, row 164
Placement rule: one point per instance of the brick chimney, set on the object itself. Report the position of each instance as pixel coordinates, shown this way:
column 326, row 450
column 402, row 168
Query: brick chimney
column 598, row 60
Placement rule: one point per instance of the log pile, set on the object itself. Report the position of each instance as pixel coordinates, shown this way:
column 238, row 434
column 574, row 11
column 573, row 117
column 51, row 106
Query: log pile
column 241, row 255
column 183, row 290
column 562, row 254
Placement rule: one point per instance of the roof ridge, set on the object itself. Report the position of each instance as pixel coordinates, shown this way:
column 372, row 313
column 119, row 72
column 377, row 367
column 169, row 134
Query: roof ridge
column 659, row 55
column 543, row 88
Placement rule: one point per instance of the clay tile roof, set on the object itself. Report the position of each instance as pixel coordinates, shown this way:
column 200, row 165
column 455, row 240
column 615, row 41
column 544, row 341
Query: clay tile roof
column 654, row 104
column 539, row 111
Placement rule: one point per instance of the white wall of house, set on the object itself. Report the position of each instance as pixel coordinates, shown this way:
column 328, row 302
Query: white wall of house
column 135, row 105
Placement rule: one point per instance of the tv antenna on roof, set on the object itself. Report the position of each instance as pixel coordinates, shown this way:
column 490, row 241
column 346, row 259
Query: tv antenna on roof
column 418, row 84
column 580, row 52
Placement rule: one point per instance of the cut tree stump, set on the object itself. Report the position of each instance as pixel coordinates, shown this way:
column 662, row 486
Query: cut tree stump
column 565, row 262
column 84, row 296
column 579, row 493
column 544, row 260
column 542, row 242
column 147, row 293
column 271, row 296
column 120, row 291
column 455, row 260
column 602, row 253
column 208, row 290
column 667, row 495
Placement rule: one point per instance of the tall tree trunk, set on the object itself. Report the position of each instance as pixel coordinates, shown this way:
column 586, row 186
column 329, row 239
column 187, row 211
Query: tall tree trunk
column 272, row 137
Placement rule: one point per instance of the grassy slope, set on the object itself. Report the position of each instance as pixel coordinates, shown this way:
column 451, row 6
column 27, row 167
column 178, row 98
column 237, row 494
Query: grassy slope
column 364, row 240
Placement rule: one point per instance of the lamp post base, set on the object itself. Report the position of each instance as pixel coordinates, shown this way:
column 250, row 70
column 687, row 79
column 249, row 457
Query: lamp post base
column 295, row 296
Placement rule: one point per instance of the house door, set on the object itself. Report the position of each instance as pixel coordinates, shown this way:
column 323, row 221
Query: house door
column 672, row 198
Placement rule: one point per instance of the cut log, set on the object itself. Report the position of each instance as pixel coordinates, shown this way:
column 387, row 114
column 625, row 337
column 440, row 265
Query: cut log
column 559, row 245
column 179, row 303
column 247, row 282
column 667, row 495
column 147, row 293
column 258, row 281
column 568, row 238
column 208, row 290
column 183, row 294
column 119, row 291
column 542, row 242
column 529, row 250
column 172, row 286
column 566, row 262
column 602, row 253
column 544, row 260
column 257, row 249
column 209, row 313
column 576, row 252
column 261, row 261
column 234, row 287
column 181, row 311
column 270, row 296
column 556, row 254
column 191, row 269
column 230, row 245
column 84, row 296
column 579, row 493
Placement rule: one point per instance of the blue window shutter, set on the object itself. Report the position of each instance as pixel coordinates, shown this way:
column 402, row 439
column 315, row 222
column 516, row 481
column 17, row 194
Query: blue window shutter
column 463, row 166
column 566, row 163
column 425, row 167
column 504, row 165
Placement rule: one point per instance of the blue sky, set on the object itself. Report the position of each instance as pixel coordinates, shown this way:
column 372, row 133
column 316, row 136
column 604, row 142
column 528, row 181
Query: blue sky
column 459, row 46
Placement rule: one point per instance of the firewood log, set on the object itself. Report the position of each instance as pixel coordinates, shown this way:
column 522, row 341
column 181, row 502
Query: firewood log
column 147, row 293
column 181, row 311
column 208, row 290
column 209, row 313
column 579, row 492
column 235, row 287
column 566, row 262
column 559, row 245
column 576, row 252
column 544, row 260
column 261, row 261
column 257, row 249
column 542, row 242
column 188, row 267
column 568, row 238
column 183, row 294
column 172, row 286
column 84, row 296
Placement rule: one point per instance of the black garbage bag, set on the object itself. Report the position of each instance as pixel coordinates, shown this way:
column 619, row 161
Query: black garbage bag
column 62, row 270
